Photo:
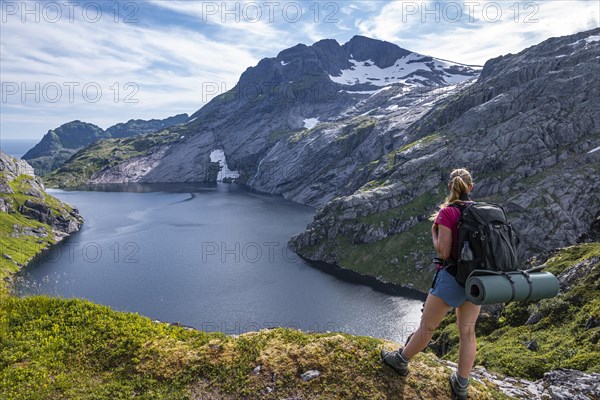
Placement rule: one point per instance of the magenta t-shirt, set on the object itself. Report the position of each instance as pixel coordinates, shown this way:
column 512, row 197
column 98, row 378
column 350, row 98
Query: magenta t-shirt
column 448, row 217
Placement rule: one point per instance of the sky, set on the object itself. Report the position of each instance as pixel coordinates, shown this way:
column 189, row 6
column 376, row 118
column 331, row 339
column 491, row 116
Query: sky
column 106, row 62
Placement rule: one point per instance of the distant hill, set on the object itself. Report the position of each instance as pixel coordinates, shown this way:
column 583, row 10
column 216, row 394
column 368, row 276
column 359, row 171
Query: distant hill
column 59, row 144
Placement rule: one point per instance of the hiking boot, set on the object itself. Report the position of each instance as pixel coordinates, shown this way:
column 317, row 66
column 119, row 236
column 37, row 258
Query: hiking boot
column 394, row 360
column 458, row 391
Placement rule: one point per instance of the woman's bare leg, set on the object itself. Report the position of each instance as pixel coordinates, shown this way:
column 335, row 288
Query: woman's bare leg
column 466, row 316
column 434, row 311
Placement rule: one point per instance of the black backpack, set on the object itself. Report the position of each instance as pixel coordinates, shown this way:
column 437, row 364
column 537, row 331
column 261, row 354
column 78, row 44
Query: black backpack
column 490, row 237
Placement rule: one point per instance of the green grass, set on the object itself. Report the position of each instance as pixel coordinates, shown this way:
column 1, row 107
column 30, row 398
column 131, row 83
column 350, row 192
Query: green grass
column 74, row 349
column 373, row 184
column 277, row 135
column 422, row 142
column 375, row 259
column 21, row 249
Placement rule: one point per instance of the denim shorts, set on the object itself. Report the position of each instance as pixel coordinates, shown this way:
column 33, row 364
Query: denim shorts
column 447, row 289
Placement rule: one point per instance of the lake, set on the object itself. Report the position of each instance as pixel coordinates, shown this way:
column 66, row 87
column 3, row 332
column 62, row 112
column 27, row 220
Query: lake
column 211, row 257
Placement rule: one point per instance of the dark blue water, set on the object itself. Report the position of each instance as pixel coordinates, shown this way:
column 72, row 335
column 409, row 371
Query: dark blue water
column 214, row 258
column 17, row 147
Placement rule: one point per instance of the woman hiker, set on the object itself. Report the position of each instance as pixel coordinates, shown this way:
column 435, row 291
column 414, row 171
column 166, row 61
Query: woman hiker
column 445, row 293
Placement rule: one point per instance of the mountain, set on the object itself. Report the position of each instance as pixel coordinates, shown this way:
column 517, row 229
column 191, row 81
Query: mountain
column 528, row 129
column 59, row 144
column 30, row 219
column 303, row 124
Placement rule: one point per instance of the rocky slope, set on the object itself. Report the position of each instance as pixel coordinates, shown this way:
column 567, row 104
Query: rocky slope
column 135, row 127
column 30, row 219
column 528, row 129
column 307, row 123
column 59, row 144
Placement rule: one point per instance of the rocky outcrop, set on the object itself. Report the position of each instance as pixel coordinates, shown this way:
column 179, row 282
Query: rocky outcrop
column 559, row 384
column 131, row 170
column 527, row 129
column 11, row 168
column 593, row 233
column 135, row 127
column 32, row 220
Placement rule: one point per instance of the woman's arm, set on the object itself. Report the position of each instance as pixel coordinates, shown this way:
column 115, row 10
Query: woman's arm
column 442, row 240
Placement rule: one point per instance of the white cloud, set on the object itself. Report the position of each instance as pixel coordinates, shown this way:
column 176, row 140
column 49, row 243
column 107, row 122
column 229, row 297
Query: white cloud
column 392, row 19
column 169, row 65
column 170, row 61
column 481, row 33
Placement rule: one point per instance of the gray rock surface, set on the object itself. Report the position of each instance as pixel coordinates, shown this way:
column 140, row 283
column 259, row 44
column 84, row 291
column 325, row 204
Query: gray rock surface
column 310, row 375
column 559, row 384
column 526, row 129
column 11, row 168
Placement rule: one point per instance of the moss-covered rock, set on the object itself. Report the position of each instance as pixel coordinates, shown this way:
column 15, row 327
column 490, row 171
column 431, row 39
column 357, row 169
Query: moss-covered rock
column 30, row 219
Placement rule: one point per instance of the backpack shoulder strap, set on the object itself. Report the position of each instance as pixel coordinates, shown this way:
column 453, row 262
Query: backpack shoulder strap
column 461, row 206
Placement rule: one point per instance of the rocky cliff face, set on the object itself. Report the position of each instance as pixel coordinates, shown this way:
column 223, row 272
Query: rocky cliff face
column 30, row 219
column 59, row 144
column 528, row 129
column 593, row 234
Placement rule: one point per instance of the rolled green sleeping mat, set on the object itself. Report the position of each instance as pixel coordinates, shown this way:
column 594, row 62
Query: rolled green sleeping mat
column 487, row 287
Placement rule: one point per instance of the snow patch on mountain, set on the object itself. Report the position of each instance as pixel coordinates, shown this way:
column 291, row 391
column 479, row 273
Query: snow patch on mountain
column 594, row 150
column 218, row 155
column 586, row 41
column 371, row 92
column 405, row 70
column 310, row 123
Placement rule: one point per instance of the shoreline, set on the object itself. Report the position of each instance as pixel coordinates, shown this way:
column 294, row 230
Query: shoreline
column 348, row 275
column 43, row 252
